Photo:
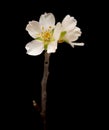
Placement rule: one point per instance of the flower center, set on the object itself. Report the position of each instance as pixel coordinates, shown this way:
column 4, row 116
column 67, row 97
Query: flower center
column 46, row 36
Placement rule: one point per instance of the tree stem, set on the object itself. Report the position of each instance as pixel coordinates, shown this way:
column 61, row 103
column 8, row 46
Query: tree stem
column 43, row 88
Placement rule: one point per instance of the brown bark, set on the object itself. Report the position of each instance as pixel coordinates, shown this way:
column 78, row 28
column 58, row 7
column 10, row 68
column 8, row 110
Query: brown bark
column 43, row 88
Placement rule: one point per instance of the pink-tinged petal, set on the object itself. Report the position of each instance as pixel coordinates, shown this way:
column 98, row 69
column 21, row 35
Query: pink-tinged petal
column 33, row 28
column 34, row 48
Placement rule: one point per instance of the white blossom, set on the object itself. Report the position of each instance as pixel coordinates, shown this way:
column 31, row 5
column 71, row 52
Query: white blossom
column 45, row 34
column 70, row 32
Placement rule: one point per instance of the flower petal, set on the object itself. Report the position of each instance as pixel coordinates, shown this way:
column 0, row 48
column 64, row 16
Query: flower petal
column 57, row 31
column 68, row 23
column 33, row 28
column 34, row 48
column 73, row 35
column 76, row 44
column 47, row 19
column 53, row 45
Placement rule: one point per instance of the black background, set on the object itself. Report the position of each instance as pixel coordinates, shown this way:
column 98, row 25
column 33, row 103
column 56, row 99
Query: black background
column 73, row 93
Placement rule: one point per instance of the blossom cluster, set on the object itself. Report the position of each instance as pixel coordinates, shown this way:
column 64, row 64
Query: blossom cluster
column 47, row 34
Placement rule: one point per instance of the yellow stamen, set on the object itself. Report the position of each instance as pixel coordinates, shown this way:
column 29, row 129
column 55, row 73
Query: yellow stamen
column 46, row 36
